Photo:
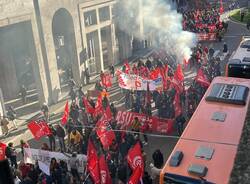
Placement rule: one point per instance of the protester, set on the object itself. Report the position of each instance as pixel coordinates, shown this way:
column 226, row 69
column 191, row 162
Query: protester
column 17, row 177
column 75, row 141
column 225, row 48
column 23, row 145
column 23, row 94
column 87, row 76
column 10, row 153
column 4, row 125
column 11, row 114
column 60, row 133
column 74, row 164
column 72, row 94
column 158, row 159
column 45, row 112
column 45, row 147
column 180, row 121
column 55, row 172
column 155, row 173
column 112, row 70
column 52, row 140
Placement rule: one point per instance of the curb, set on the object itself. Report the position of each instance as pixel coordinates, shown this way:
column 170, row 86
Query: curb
column 236, row 22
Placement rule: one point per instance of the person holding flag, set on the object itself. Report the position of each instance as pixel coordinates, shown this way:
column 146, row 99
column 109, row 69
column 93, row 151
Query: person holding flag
column 136, row 163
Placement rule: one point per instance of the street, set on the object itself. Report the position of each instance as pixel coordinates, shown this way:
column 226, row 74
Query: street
column 164, row 143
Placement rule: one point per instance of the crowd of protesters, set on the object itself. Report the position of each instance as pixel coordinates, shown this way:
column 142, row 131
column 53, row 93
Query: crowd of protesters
column 204, row 21
column 80, row 128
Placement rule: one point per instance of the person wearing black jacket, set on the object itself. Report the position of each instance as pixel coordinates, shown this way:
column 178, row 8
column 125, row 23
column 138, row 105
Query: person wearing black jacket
column 158, row 159
column 180, row 121
column 60, row 133
column 10, row 153
column 52, row 140
column 11, row 114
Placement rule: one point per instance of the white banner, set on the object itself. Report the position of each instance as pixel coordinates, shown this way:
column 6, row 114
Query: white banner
column 136, row 82
column 44, row 158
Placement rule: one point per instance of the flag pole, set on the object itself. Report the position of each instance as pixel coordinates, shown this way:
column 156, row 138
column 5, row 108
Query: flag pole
column 86, row 178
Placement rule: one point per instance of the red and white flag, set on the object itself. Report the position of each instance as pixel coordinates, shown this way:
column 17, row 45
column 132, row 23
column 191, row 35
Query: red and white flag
column 39, row 129
column 2, row 150
column 104, row 171
column 136, row 176
column 179, row 74
column 135, row 159
column 65, row 117
column 107, row 80
column 98, row 106
column 105, row 133
column 92, row 163
column 202, row 79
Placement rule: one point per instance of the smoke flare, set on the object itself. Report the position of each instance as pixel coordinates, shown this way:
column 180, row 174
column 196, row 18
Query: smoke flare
column 161, row 23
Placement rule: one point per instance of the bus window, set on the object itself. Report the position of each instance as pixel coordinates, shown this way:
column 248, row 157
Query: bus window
column 238, row 70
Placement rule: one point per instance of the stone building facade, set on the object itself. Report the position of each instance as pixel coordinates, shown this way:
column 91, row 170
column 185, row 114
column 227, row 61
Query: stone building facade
column 43, row 43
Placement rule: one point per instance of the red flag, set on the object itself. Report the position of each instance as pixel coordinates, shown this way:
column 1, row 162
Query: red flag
column 202, row 79
column 177, row 85
column 136, row 176
column 88, row 107
column 104, row 171
column 154, row 73
column 177, row 105
column 221, row 7
column 105, row 133
column 2, row 150
column 98, row 106
column 92, row 163
column 107, row 114
column 107, row 80
column 65, row 117
column 135, row 159
column 39, row 130
column 178, row 75
column 127, row 67
column 164, row 74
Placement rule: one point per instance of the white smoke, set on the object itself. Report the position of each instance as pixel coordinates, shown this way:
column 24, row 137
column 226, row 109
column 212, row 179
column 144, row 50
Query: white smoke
column 161, row 22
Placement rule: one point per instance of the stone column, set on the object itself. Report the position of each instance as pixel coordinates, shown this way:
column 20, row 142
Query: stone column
column 99, row 37
column 109, row 38
column 38, row 66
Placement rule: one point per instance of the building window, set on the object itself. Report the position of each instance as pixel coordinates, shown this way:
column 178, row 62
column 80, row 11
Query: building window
column 104, row 14
column 90, row 18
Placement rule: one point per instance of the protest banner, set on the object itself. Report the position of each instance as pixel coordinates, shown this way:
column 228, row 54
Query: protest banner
column 135, row 82
column 44, row 157
column 155, row 124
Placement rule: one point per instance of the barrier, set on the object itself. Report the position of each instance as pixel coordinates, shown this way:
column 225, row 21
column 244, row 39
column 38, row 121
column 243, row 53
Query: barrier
column 206, row 36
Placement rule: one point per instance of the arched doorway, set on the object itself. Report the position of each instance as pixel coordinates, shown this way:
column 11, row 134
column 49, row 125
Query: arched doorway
column 65, row 45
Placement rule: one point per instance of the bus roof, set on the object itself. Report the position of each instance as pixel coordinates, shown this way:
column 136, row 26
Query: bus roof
column 222, row 137
column 219, row 167
column 202, row 127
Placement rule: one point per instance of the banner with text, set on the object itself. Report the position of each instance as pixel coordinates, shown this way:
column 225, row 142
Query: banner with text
column 44, row 157
column 153, row 124
column 136, row 82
